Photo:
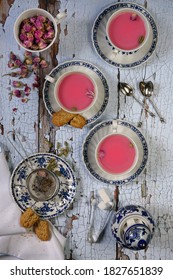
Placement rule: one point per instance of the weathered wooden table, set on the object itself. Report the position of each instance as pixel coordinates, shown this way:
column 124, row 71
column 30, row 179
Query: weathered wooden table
column 152, row 189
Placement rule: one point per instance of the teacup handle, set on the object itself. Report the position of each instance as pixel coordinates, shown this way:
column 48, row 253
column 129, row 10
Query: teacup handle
column 114, row 126
column 59, row 17
column 50, row 79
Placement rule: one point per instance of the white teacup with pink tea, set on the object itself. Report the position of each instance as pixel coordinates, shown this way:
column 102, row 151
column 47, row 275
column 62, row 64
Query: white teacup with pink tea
column 127, row 30
column 116, row 154
column 75, row 92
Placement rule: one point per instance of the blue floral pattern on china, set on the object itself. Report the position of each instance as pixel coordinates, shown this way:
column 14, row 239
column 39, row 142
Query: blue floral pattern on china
column 93, row 171
column 78, row 63
column 97, row 42
column 56, row 205
column 136, row 236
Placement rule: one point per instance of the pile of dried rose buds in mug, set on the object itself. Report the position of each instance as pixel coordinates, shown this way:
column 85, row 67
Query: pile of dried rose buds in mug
column 36, row 33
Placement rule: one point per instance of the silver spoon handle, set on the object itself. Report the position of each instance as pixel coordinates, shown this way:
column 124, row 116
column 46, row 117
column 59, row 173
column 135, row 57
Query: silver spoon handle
column 157, row 111
column 143, row 105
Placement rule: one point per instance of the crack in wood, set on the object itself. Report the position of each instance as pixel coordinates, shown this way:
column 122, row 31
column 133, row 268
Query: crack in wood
column 118, row 98
column 122, row 255
column 2, row 129
column 66, row 30
column 4, row 10
column 69, row 224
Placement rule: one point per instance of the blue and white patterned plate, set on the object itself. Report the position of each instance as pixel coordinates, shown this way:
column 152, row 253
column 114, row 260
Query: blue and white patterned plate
column 59, row 203
column 103, row 129
column 84, row 67
column 105, row 50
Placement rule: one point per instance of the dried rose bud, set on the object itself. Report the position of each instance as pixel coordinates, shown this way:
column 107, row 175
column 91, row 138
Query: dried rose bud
column 25, row 21
column 14, row 110
column 35, row 47
column 42, row 45
column 23, row 37
column 38, row 40
column 33, row 29
column 37, row 78
column 29, row 61
column 27, row 54
column 35, row 66
column 27, row 27
column 49, row 27
column 41, row 18
column 36, row 59
column 25, row 100
column 38, row 24
column 12, row 56
column 24, row 71
column 49, row 35
column 17, row 93
column 27, row 44
column 22, row 31
column 24, row 68
column 27, row 89
column 10, row 64
column 30, row 37
column 43, row 63
column 38, row 34
column 35, row 85
column 33, row 19
column 17, row 63
column 133, row 16
column 90, row 94
column 17, row 84
column 101, row 154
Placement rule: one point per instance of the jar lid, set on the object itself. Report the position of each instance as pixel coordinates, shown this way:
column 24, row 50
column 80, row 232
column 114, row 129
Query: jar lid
column 137, row 237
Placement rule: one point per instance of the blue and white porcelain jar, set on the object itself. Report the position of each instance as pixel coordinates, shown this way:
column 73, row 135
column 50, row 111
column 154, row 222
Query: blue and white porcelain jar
column 133, row 227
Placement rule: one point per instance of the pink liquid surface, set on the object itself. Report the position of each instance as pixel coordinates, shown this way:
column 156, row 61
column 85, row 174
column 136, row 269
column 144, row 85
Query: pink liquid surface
column 73, row 91
column 116, row 154
column 124, row 32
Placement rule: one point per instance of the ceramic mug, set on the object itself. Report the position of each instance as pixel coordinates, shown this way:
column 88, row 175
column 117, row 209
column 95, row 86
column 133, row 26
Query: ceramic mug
column 134, row 13
column 37, row 12
column 110, row 165
column 92, row 95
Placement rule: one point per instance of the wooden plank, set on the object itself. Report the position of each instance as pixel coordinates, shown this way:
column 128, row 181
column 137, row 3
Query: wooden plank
column 46, row 132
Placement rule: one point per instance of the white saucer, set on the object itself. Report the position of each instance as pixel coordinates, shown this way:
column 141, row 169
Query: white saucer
column 97, row 133
column 105, row 50
column 89, row 69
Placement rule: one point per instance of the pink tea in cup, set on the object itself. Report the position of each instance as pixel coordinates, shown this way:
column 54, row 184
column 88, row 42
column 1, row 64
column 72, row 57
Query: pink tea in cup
column 127, row 30
column 116, row 154
column 76, row 92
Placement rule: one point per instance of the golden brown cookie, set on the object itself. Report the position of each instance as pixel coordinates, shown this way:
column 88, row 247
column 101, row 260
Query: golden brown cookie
column 41, row 228
column 28, row 218
column 61, row 117
column 78, row 121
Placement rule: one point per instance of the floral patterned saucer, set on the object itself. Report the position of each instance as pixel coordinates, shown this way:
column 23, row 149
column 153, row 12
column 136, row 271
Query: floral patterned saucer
column 66, row 191
column 84, row 67
column 105, row 50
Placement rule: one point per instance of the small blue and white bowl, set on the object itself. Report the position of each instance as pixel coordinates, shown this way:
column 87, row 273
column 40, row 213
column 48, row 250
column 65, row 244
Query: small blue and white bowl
column 133, row 227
